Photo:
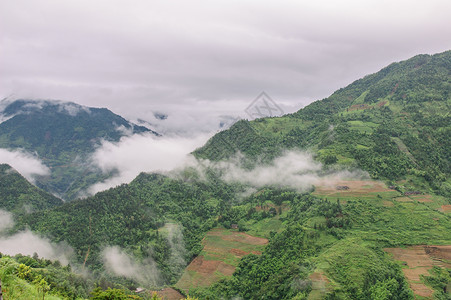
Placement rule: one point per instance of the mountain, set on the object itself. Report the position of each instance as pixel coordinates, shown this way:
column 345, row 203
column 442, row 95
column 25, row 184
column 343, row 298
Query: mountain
column 18, row 195
column 395, row 124
column 388, row 237
column 62, row 134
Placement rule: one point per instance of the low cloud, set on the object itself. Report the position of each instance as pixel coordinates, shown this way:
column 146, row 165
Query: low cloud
column 25, row 163
column 28, row 243
column 6, row 220
column 294, row 169
column 141, row 153
column 176, row 243
column 120, row 263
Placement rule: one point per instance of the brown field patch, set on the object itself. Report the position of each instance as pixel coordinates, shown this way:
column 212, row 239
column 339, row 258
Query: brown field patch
column 414, row 256
column 221, row 253
column 422, row 198
column 320, row 285
column 200, row 265
column 238, row 252
column 421, row 290
column 414, row 274
column 419, row 259
column 446, row 208
column 356, row 187
column 226, row 269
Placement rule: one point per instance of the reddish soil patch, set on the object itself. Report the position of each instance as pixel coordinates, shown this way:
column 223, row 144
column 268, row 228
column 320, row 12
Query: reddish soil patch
column 414, row 256
column 204, row 272
column 318, row 276
column 440, row 254
column 169, row 294
column 421, row 290
column 414, row 274
column 226, row 269
column 204, row 266
column 320, row 285
column 238, row 252
column 423, row 198
column 446, row 208
column 419, row 260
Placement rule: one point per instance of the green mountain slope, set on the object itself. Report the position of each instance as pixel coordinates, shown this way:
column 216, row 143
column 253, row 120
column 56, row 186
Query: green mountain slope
column 133, row 217
column 17, row 194
column 395, row 124
column 62, row 134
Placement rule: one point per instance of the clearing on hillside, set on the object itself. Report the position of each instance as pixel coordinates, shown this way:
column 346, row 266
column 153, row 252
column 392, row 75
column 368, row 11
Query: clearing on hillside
column 320, row 285
column 222, row 252
column 419, row 260
column 353, row 188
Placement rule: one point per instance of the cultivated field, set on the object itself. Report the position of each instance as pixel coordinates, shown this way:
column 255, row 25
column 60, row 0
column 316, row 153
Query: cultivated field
column 418, row 261
column 355, row 189
column 222, row 252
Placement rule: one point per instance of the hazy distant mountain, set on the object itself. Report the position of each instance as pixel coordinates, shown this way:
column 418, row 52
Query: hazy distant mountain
column 62, row 134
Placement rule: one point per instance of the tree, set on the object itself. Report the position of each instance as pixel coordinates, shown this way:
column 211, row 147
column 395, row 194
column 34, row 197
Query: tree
column 43, row 285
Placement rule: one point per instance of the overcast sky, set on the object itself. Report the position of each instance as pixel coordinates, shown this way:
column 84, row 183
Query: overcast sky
column 198, row 60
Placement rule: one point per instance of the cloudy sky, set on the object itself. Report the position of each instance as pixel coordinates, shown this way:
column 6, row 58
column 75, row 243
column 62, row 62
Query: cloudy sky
column 198, row 60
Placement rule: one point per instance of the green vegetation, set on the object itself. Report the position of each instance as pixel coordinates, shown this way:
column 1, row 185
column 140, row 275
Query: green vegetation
column 17, row 194
column 33, row 278
column 395, row 124
column 62, row 135
column 330, row 243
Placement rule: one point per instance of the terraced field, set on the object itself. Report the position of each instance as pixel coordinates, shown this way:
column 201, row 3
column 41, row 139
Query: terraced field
column 418, row 260
column 223, row 249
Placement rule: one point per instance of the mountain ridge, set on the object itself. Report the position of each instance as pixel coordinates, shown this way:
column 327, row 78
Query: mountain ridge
column 63, row 135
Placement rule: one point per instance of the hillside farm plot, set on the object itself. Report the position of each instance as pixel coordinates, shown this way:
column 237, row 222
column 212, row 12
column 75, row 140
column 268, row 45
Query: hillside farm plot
column 351, row 189
column 418, row 261
column 320, row 285
column 221, row 254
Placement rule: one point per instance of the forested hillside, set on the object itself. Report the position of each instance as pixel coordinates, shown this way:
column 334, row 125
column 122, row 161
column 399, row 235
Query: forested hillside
column 395, row 124
column 62, row 134
column 18, row 195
